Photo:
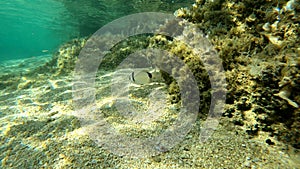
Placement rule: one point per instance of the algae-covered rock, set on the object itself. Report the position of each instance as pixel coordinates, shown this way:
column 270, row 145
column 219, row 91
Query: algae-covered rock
column 193, row 63
column 67, row 55
column 258, row 42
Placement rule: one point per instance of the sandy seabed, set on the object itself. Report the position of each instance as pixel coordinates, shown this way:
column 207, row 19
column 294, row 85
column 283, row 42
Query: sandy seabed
column 38, row 130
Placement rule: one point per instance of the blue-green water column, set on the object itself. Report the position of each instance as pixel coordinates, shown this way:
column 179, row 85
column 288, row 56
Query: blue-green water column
column 31, row 28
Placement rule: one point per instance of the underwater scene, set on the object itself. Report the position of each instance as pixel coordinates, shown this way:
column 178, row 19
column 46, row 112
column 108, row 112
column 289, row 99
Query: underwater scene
column 206, row 84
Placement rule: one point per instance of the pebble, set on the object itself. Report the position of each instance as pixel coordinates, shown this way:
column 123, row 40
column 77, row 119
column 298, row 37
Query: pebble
column 255, row 160
column 157, row 159
column 247, row 164
column 267, row 27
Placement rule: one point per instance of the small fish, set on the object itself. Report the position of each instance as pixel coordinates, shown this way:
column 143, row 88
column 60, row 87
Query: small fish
column 144, row 77
column 44, row 51
column 141, row 77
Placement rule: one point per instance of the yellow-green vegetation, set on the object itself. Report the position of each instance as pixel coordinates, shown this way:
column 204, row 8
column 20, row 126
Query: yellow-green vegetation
column 67, row 55
column 259, row 44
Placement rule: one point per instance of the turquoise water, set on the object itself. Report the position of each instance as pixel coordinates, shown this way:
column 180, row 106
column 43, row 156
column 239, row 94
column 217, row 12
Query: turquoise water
column 33, row 27
column 30, row 28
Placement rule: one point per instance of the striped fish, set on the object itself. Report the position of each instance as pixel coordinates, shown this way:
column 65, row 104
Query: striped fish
column 145, row 77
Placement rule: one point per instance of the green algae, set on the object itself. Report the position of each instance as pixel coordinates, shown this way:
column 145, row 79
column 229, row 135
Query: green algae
column 246, row 47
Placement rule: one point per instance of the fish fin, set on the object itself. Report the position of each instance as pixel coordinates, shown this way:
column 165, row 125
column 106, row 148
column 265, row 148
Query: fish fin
column 132, row 76
column 149, row 75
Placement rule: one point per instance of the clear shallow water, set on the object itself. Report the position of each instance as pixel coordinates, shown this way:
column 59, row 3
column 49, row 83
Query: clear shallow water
column 33, row 27
column 30, row 28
